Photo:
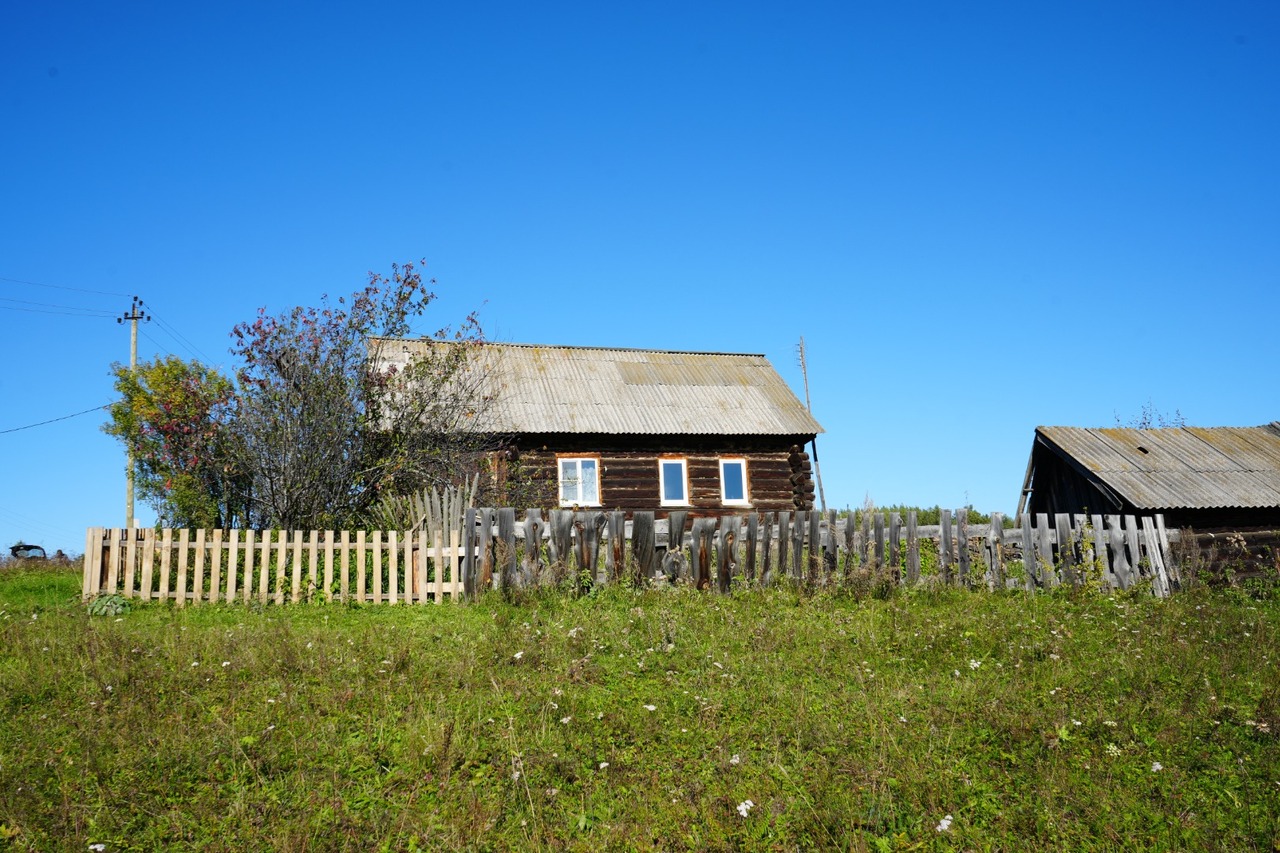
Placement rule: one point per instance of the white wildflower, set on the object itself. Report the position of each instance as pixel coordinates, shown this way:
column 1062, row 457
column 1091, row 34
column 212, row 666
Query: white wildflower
column 736, row 759
column 944, row 824
column 651, row 707
column 564, row 721
column 745, row 806
column 604, row 765
column 518, row 655
column 974, row 664
column 226, row 663
column 1156, row 767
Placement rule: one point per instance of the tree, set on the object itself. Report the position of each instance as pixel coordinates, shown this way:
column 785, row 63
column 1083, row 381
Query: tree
column 324, row 424
column 175, row 416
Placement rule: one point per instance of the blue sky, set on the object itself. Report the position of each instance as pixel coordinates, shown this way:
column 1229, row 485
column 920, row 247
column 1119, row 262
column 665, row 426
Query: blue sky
column 981, row 217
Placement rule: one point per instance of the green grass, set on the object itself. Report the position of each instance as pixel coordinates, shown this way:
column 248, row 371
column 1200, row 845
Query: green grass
column 1035, row 722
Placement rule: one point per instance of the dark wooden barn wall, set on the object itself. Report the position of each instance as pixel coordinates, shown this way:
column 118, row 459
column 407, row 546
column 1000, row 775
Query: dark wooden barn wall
column 778, row 471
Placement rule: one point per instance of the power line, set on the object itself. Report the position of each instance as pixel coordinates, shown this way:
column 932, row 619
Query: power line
column 61, row 287
column 94, row 316
column 180, row 338
column 70, row 308
column 55, row 420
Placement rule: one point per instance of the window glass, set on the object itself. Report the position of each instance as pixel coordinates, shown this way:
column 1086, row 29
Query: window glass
column 579, row 482
column 673, row 486
column 590, row 482
column 733, row 480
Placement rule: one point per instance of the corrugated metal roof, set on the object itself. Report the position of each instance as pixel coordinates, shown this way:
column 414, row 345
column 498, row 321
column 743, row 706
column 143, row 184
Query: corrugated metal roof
column 549, row 389
column 1180, row 467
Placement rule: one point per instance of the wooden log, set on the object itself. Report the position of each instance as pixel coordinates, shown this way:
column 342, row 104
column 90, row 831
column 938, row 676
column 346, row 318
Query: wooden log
column 166, row 554
column 616, row 557
column 751, row 542
column 913, row 549
column 1030, row 565
column 1066, row 554
column 643, row 542
column 946, row 547
column 962, row 543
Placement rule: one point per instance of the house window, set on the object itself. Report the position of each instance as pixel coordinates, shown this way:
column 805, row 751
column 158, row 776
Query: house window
column 674, row 482
column 733, row 482
column 579, row 481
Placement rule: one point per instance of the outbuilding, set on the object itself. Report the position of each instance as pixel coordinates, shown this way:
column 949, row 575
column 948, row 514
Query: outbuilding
column 1206, row 478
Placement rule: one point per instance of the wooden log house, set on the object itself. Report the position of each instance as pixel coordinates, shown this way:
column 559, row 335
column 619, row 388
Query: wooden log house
column 625, row 429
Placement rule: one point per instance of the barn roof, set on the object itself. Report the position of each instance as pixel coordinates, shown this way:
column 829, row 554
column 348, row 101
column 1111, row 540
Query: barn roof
column 562, row 389
column 1179, row 467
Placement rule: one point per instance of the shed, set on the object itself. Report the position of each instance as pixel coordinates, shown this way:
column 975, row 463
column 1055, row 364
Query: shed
column 631, row 429
column 1207, row 478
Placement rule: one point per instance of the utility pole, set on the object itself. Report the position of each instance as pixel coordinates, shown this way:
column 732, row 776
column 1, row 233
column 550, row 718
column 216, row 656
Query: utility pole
column 133, row 315
column 817, row 472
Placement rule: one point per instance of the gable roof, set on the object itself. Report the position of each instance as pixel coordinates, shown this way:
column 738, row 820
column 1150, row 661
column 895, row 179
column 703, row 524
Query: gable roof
column 561, row 389
column 1180, row 467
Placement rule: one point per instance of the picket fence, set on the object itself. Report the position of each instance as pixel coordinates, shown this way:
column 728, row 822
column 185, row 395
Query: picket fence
column 193, row 567
column 493, row 549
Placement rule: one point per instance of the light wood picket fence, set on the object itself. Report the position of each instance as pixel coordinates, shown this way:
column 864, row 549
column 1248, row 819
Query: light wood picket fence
column 195, row 567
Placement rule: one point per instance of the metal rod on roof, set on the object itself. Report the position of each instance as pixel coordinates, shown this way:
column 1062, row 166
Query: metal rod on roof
column 817, row 472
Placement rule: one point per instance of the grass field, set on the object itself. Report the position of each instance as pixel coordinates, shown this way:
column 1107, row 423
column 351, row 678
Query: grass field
column 657, row 720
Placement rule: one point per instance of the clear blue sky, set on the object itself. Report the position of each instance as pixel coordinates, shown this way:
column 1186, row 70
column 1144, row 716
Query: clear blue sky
column 981, row 217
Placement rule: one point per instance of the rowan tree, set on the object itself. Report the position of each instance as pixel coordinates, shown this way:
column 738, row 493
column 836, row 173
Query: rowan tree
column 176, row 416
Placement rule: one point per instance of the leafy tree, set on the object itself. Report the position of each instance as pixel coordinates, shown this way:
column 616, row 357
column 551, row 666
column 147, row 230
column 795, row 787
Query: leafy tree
column 175, row 415
column 327, row 420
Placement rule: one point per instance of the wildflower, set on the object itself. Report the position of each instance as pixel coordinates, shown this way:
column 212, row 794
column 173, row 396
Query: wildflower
column 565, row 720
column 518, row 655
column 736, row 759
column 745, row 806
column 515, row 775
column 1112, row 750
column 195, row 663
column 573, row 632
column 1156, row 767
column 226, row 663
column 604, row 765
column 901, row 719
column 1109, row 723
column 956, row 673
column 944, row 824
column 651, row 707
column 309, row 645
column 974, row 664
column 98, row 847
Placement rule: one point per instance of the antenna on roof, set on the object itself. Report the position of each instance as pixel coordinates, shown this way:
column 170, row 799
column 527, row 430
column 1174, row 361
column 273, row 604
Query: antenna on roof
column 817, row 472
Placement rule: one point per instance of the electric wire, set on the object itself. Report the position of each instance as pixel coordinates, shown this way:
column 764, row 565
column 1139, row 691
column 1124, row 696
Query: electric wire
column 63, row 287
column 54, row 420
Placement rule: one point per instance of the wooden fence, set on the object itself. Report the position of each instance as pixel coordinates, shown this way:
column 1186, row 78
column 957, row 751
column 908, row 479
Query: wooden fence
column 494, row 549
column 196, row 566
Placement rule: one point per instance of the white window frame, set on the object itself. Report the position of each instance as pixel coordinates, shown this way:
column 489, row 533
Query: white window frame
column 745, row 500
column 560, row 480
column 662, row 481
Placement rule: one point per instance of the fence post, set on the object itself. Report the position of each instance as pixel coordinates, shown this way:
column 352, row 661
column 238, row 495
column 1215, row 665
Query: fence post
column 533, row 527
column 1030, row 565
column 996, row 546
column 945, row 548
column 507, row 536
column 913, row 549
column 616, row 559
column 962, row 542
column 469, row 543
column 895, row 546
column 766, row 569
column 753, row 535
column 642, row 546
